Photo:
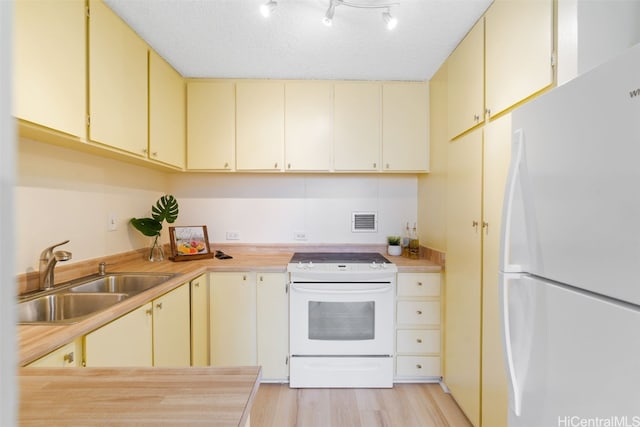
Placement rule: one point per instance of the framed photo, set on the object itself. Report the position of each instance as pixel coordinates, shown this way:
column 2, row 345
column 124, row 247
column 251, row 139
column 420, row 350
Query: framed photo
column 189, row 243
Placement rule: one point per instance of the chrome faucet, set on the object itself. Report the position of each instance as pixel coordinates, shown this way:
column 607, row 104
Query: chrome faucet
column 48, row 260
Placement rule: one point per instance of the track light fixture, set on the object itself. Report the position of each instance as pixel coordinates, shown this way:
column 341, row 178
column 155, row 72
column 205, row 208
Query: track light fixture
column 267, row 8
column 388, row 19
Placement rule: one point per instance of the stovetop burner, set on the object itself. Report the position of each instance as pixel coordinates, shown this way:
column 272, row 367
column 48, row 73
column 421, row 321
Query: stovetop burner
column 339, row 257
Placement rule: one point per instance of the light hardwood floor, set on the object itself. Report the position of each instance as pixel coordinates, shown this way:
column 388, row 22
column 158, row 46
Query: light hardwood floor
column 405, row 405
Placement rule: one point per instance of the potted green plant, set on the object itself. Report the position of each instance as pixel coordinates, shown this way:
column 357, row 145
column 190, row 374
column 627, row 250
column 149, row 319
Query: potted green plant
column 165, row 209
column 394, row 247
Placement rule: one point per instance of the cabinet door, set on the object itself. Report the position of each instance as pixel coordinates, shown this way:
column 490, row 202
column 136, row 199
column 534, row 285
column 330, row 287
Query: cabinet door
column 463, row 273
column 50, row 64
column 518, row 49
column 167, row 117
column 117, row 82
column 127, row 341
column 465, row 68
column 497, row 144
column 308, row 125
column 260, row 125
column 405, row 118
column 211, row 125
column 356, row 121
column 233, row 319
column 273, row 326
column 67, row 356
column 172, row 328
column 200, row 321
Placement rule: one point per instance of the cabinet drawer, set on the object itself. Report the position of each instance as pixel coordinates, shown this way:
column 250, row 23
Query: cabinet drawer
column 419, row 284
column 418, row 341
column 418, row 312
column 418, row 366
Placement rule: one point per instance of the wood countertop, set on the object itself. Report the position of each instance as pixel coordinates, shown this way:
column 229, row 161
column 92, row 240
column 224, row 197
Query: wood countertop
column 137, row 396
column 37, row 340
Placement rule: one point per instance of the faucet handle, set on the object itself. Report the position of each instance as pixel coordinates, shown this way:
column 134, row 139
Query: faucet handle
column 102, row 268
column 46, row 254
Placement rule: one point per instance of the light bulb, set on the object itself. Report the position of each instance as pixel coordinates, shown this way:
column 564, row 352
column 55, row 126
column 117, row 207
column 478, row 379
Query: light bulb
column 391, row 21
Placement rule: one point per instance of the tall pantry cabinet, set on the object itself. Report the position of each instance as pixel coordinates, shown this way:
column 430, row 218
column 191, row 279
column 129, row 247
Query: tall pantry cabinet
column 505, row 59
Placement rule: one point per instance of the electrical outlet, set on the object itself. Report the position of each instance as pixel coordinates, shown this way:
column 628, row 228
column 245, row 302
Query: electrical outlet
column 233, row 235
column 299, row 235
column 112, row 222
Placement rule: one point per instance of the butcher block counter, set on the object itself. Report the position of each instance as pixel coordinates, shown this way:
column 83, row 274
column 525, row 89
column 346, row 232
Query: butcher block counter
column 137, row 396
column 38, row 340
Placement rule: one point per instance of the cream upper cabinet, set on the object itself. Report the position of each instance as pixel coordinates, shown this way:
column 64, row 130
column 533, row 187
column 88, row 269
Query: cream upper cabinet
column 308, row 126
column 200, row 320
column 497, row 146
column 260, row 125
column 518, row 51
column 466, row 82
column 273, row 325
column 233, row 318
column 127, row 341
column 171, row 328
column 463, row 274
column 117, row 83
column 211, row 125
column 167, row 115
column 50, row 64
column 405, row 130
column 356, row 122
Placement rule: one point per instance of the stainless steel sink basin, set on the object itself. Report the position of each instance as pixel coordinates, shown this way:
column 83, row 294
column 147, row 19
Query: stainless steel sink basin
column 70, row 302
column 128, row 283
column 65, row 307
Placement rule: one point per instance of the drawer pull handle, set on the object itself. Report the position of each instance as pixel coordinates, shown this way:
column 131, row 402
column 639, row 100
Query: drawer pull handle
column 159, row 305
column 419, row 312
column 419, row 366
column 419, row 340
column 69, row 358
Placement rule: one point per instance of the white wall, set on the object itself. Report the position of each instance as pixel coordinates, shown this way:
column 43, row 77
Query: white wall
column 269, row 208
column 8, row 346
column 591, row 32
column 65, row 194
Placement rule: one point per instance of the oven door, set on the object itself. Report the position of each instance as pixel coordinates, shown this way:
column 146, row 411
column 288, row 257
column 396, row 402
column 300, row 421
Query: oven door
column 341, row 319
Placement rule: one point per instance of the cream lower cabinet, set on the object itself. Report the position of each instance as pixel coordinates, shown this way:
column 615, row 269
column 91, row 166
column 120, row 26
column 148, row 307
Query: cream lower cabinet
column 249, row 321
column 126, row 341
column 474, row 363
column 273, row 326
column 155, row 334
column 50, row 64
column 418, row 319
column 67, row 356
column 200, row 320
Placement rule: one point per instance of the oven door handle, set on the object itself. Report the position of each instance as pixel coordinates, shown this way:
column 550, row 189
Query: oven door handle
column 327, row 290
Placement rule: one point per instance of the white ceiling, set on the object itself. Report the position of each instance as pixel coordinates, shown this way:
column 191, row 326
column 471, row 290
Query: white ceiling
column 231, row 39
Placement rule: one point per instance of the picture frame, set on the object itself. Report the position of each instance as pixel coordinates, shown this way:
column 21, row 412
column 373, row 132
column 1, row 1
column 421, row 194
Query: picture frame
column 189, row 242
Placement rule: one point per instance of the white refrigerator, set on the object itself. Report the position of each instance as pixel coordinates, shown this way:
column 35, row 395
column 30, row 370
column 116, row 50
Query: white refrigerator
column 570, row 254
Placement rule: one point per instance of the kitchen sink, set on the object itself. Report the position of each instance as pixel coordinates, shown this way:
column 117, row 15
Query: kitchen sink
column 65, row 307
column 127, row 283
column 71, row 302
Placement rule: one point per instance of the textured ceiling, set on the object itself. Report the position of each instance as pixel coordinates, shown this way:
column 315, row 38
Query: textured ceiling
column 231, row 39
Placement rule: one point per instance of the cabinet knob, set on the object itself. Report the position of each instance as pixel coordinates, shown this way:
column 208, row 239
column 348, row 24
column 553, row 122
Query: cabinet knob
column 226, row 165
column 69, row 357
column 159, row 305
column 485, row 225
column 419, row 340
column 419, row 283
column 149, row 312
column 387, row 166
column 196, row 284
column 418, row 366
column 261, row 279
column 145, row 151
column 154, row 154
column 244, row 277
column 476, row 118
column 375, row 165
column 419, row 312
column 288, row 165
column 275, row 165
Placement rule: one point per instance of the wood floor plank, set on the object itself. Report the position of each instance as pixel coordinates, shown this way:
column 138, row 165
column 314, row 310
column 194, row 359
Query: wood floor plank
column 405, row 405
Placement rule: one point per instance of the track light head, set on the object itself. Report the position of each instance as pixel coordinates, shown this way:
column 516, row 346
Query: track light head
column 390, row 20
column 267, row 8
column 328, row 17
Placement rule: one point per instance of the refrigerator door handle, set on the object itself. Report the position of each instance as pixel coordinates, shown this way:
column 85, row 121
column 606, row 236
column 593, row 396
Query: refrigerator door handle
column 509, row 196
column 511, row 371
